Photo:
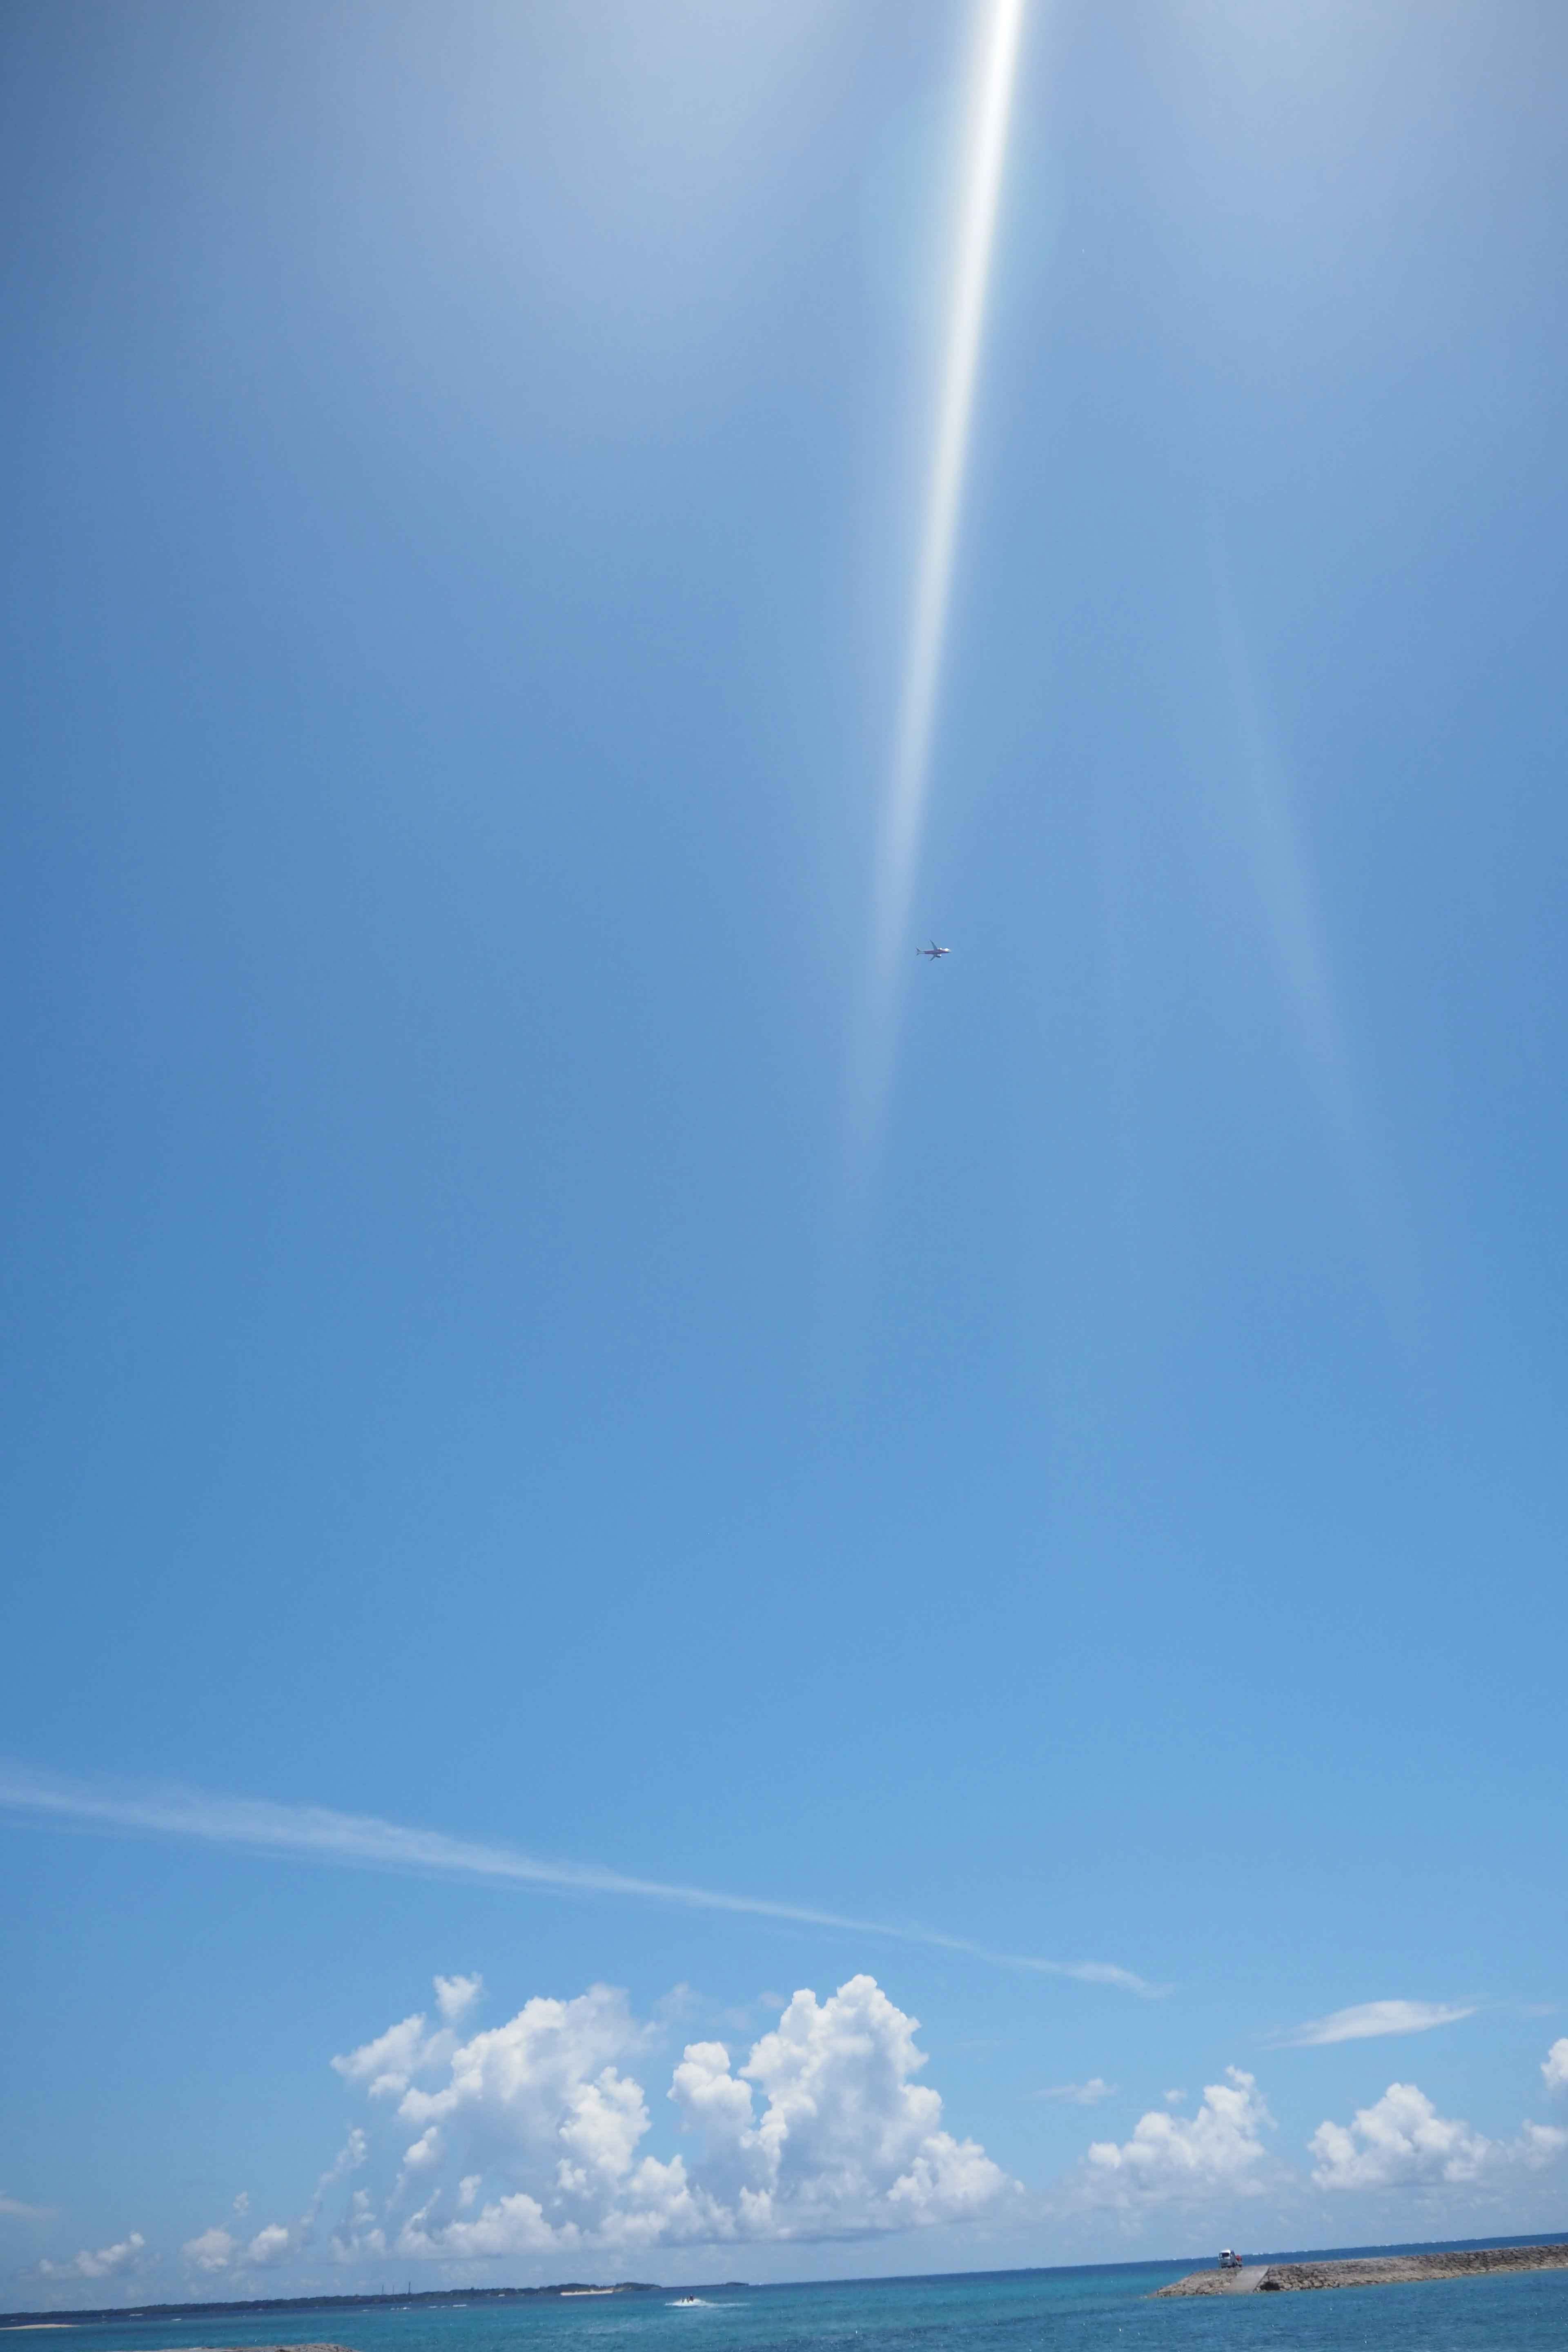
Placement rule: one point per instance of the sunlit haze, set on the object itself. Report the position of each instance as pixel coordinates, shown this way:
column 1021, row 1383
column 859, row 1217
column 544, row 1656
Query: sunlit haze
column 971, row 234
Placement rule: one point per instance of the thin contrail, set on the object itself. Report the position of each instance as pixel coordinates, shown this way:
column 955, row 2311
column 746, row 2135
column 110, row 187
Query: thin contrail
column 998, row 32
column 315, row 1832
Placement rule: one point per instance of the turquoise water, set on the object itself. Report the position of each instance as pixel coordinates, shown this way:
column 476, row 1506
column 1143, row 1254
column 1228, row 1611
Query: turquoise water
column 1014, row 2311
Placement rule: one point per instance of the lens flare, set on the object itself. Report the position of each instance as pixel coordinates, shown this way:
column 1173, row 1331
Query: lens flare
column 998, row 32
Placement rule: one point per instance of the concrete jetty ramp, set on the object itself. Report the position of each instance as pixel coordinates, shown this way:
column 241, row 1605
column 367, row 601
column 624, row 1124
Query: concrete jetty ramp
column 1245, row 2281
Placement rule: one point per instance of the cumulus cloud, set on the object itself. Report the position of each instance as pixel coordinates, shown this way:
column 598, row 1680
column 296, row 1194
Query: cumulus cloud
column 1182, row 2159
column 268, row 2246
column 1081, row 2094
column 1369, row 2019
column 212, row 2251
column 454, row 1996
column 218, row 2250
column 349, row 2159
column 1554, row 2066
column 387, row 2066
column 846, row 2141
column 528, row 2139
column 1402, row 2142
column 109, row 2261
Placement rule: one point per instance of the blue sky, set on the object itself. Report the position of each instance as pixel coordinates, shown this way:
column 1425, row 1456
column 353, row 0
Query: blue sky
column 527, row 1323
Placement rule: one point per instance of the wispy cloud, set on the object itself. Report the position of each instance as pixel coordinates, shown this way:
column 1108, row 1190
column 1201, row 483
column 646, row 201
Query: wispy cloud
column 1079, row 2094
column 14, row 2210
column 314, row 1833
column 1369, row 2019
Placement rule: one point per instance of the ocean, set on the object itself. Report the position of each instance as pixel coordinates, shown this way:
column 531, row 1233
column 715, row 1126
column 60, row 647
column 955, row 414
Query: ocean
column 1106, row 2309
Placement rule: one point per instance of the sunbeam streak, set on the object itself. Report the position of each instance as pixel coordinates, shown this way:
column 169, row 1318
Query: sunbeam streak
column 998, row 32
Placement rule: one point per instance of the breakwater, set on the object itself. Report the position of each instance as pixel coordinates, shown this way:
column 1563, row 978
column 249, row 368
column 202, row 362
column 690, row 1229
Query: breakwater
column 1368, row 2270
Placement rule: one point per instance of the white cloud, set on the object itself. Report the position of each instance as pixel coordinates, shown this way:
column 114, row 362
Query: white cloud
column 528, row 2138
column 212, row 2251
column 454, row 1996
column 255, row 1824
column 109, row 2261
column 1178, row 2159
column 1402, row 2142
column 1369, row 2019
column 1554, row 2066
column 359, row 2235
column 1080, row 2094
column 217, row 2250
column 847, row 2142
column 349, row 2159
column 14, row 2210
column 387, row 2064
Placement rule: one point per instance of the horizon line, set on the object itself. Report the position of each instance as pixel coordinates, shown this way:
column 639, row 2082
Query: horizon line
column 65, row 2313
column 318, row 1833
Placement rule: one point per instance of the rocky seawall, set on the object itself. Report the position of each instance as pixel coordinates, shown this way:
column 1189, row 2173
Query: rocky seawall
column 1368, row 2270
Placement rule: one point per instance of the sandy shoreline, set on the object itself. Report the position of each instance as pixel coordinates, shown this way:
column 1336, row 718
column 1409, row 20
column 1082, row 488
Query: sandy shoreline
column 1368, row 2270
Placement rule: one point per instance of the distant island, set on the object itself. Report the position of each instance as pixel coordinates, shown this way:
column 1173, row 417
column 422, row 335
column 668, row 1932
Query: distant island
column 1368, row 2270
column 444, row 2295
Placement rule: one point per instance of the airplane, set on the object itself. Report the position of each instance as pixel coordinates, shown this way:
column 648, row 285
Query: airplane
column 933, row 951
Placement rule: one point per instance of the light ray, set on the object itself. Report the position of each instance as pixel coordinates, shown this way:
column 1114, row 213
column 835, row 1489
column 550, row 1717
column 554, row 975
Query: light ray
column 999, row 34
column 316, row 1832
